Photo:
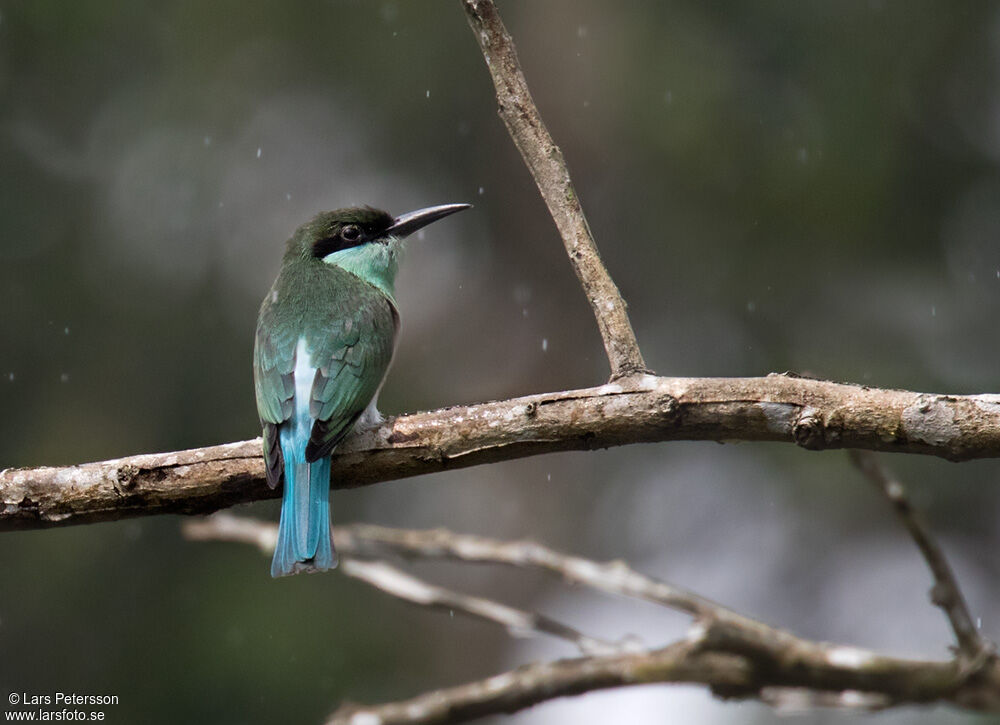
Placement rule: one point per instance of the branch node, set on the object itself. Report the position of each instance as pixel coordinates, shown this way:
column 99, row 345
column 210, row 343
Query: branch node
column 809, row 430
column 125, row 476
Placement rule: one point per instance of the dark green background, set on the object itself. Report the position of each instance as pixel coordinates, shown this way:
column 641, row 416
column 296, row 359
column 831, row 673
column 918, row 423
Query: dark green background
column 807, row 186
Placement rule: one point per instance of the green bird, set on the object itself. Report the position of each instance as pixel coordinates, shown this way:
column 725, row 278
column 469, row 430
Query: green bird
column 326, row 334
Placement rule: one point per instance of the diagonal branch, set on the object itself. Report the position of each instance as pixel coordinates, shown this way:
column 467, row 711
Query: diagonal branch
column 400, row 584
column 517, row 622
column 946, row 593
column 733, row 655
column 615, row 577
column 548, row 168
column 814, row 414
column 733, row 669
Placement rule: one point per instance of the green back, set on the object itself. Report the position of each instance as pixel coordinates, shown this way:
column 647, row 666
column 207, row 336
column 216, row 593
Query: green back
column 349, row 327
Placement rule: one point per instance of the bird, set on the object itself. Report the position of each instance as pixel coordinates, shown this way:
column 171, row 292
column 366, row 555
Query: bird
column 326, row 334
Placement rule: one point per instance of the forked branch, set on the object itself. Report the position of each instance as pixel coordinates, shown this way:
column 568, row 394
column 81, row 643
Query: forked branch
column 733, row 655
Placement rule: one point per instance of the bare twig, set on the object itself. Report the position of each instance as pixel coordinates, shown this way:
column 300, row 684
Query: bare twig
column 614, row 577
column 376, row 542
column 814, row 414
column 548, row 168
column 532, row 684
column 733, row 667
column 734, row 655
column 518, row 622
column 946, row 593
column 400, row 584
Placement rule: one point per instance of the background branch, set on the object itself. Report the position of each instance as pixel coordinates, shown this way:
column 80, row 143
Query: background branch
column 548, row 169
column 736, row 669
column 517, row 622
column 351, row 544
column 733, row 655
column 946, row 593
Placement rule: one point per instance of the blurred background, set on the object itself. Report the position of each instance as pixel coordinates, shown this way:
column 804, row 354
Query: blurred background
column 806, row 186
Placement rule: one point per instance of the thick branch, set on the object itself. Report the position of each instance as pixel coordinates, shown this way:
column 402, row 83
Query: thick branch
column 946, row 592
column 814, row 414
column 547, row 167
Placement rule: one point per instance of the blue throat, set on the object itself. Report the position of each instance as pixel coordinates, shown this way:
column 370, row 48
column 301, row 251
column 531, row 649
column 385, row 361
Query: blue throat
column 376, row 264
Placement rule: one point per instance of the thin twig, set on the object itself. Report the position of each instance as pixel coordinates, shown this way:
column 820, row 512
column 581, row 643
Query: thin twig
column 517, row 622
column 814, row 414
column 615, row 577
column 945, row 593
column 400, row 584
column 548, row 168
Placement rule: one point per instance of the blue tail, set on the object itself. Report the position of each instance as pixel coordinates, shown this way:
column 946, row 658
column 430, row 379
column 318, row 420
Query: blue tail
column 304, row 542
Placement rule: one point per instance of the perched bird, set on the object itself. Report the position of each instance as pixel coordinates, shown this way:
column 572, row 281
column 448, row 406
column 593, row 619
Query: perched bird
column 325, row 337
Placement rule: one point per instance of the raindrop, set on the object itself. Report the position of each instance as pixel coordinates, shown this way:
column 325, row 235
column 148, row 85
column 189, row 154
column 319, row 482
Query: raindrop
column 258, row 152
column 802, row 155
column 428, row 93
column 545, row 344
column 668, row 97
column 288, row 197
column 548, row 476
column 64, row 378
column 933, row 311
column 483, row 191
column 10, row 377
column 751, row 306
column 65, row 330
column 207, row 140
column 582, row 31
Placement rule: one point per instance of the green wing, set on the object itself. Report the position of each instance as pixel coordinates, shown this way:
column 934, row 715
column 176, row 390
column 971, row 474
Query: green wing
column 274, row 384
column 351, row 364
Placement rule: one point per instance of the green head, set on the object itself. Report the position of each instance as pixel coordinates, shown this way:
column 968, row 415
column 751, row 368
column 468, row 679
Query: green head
column 363, row 241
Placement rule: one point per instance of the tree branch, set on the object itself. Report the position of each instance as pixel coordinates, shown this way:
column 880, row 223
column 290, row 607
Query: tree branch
column 733, row 667
column 615, row 577
column 946, row 593
column 735, row 656
column 548, row 168
column 403, row 585
column 517, row 622
column 814, row 414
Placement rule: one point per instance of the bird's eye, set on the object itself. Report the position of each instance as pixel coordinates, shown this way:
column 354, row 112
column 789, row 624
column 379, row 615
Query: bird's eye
column 351, row 233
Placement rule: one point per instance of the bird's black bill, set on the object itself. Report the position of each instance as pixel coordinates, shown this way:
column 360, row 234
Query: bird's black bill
column 408, row 223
